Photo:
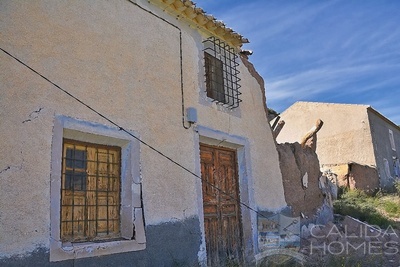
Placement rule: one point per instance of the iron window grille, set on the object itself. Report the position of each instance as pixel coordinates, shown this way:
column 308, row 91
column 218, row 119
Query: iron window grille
column 90, row 192
column 221, row 74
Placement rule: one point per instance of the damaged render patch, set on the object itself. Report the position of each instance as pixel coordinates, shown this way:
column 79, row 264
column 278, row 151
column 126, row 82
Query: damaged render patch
column 34, row 115
column 5, row 169
column 8, row 168
column 13, row 167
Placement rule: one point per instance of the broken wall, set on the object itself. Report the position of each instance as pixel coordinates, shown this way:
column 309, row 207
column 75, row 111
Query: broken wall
column 301, row 181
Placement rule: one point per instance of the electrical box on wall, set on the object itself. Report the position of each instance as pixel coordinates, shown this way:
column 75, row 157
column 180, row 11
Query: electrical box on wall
column 191, row 114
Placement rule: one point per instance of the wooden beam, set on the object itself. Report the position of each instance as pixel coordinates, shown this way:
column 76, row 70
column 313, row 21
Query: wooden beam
column 278, row 128
column 310, row 138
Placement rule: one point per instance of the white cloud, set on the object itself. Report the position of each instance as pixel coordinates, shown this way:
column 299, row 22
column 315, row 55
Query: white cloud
column 316, row 81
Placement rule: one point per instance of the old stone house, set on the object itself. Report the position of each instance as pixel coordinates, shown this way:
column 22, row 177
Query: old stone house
column 356, row 140
column 133, row 133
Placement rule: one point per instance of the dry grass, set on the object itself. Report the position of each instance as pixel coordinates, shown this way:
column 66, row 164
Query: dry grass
column 383, row 209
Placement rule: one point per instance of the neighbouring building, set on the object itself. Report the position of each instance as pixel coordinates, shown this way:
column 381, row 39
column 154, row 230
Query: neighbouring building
column 133, row 133
column 356, row 141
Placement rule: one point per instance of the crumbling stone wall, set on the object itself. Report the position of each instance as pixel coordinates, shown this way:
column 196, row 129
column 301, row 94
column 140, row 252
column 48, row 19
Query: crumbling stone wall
column 301, row 181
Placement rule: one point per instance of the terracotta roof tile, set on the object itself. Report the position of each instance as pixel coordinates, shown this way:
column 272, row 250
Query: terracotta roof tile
column 187, row 9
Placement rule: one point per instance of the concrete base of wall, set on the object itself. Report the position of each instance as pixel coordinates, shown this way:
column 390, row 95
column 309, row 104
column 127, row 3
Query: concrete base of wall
column 168, row 244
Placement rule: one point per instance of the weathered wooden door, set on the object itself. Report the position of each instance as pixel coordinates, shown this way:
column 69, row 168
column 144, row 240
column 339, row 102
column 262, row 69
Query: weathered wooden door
column 223, row 231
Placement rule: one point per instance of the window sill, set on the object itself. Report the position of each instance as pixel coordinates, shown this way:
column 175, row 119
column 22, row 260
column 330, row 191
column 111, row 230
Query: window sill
column 66, row 251
column 209, row 102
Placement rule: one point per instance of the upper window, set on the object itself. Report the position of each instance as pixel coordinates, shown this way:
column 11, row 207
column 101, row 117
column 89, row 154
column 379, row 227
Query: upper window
column 214, row 78
column 90, row 192
column 222, row 82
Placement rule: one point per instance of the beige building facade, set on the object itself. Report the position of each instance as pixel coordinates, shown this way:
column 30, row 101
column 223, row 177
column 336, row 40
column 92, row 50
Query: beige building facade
column 105, row 108
column 351, row 133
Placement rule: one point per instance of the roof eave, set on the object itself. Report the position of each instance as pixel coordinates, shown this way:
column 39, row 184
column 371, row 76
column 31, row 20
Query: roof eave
column 197, row 17
column 370, row 108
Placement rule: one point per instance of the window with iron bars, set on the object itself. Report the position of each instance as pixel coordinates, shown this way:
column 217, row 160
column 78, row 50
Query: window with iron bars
column 221, row 74
column 95, row 191
column 90, row 192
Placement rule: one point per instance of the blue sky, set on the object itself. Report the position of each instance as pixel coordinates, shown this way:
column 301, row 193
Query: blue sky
column 328, row 51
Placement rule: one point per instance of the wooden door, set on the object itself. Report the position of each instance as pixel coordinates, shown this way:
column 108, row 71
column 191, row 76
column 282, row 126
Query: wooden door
column 223, row 231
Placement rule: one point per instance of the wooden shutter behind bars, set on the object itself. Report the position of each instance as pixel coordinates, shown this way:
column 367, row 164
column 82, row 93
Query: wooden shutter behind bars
column 90, row 192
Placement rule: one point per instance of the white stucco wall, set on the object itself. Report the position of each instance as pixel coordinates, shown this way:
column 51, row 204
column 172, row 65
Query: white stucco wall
column 124, row 63
column 345, row 135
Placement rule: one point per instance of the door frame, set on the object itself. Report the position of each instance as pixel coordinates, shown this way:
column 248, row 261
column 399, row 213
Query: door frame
column 248, row 218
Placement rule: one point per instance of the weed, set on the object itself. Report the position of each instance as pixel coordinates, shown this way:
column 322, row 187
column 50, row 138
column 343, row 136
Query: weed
column 381, row 209
column 396, row 186
column 391, row 207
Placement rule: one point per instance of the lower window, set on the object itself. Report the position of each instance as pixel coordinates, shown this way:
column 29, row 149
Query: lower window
column 90, row 192
column 96, row 191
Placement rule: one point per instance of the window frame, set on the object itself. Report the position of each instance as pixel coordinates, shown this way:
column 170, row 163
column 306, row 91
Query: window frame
column 218, row 51
column 132, row 226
